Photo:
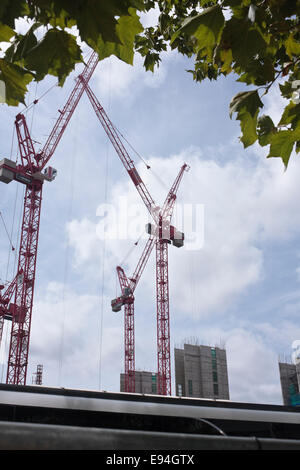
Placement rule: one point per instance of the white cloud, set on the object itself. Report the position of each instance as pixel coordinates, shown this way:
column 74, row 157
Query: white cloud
column 68, row 340
column 150, row 18
column 83, row 239
column 252, row 368
column 243, row 208
column 252, row 359
column 298, row 273
column 114, row 78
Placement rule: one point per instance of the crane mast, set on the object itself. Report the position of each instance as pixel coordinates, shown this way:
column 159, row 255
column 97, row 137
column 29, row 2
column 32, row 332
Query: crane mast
column 162, row 286
column 22, row 308
column 29, row 173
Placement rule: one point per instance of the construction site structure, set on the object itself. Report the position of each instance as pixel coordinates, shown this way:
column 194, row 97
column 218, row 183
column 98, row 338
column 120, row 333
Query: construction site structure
column 201, row 371
column 128, row 286
column 164, row 234
column 37, row 378
column 290, row 382
column 16, row 301
column 144, row 382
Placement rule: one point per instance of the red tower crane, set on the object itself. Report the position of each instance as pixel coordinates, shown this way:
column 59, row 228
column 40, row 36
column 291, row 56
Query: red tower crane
column 128, row 286
column 32, row 173
column 164, row 234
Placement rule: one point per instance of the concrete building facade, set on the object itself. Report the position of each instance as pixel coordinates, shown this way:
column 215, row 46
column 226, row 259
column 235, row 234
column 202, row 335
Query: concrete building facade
column 290, row 381
column 201, row 371
column 145, row 382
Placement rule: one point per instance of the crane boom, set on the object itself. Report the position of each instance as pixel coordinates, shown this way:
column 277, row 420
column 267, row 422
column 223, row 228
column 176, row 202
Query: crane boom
column 134, row 279
column 65, row 115
column 122, row 152
column 25, row 143
column 5, row 299
column 167, row 209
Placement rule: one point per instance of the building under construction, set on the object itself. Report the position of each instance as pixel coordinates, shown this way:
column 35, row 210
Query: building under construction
column 289, row 379
column 201, row 371
column 145, row 382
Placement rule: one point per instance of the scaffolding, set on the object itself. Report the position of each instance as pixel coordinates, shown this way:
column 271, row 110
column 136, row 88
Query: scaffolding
column 37, row 377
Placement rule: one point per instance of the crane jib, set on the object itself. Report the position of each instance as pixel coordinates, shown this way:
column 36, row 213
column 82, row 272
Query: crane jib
column 135, row 176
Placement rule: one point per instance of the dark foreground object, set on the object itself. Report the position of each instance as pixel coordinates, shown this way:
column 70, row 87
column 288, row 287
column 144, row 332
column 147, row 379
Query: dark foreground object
column 24, row 436
column 44, row 418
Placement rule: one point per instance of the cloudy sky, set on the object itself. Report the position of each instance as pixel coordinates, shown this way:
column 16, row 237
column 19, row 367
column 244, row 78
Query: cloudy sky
column 236, row 281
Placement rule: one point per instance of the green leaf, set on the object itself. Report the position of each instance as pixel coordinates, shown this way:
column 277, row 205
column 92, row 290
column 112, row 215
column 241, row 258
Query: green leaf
column 226, row 59
column 205, row 27
column 94, row 20
column 150, row 61
column 62, row 20
column 56, row 54
column 6, row 33
column 244, row 39
column 246, row 104
column 248, row 100
column 127, row 28
column 12, row 9
column 292, row 46
column 286, row 89
column 97, row 19
column 231, row 3
column 16, row 80
column 258, row 72
column 248, row 128
column 21, row 45
column 282, row 144
column 291, row 114
column 265, row 130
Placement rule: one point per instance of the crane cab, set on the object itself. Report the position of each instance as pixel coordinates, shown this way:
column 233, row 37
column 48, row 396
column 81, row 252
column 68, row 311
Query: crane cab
column 126, row 298
column 176, row 237
column 127, row 292
column 170, row 234
column 116, row 304
column 50, row 173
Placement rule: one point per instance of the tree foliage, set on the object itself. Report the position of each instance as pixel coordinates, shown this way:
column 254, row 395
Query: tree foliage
column 257, row 41
column 50, row 44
